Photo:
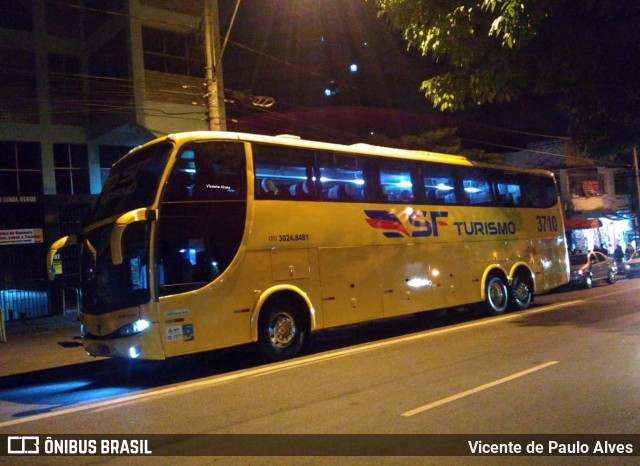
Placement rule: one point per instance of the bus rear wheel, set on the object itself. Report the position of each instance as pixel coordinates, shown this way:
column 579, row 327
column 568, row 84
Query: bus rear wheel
column 521, row 294
column 496, row 297
column 282, row 331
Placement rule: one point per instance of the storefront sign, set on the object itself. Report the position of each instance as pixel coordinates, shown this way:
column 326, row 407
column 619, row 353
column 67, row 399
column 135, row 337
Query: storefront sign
column 18, row 199
column 22, row 236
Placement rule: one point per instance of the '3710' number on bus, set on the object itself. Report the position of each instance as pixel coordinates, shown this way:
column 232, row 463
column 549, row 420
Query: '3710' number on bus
column 547, row 222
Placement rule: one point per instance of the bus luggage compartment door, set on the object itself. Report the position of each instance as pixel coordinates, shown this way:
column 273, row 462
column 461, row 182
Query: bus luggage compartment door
column 350, row 282
column 290, row 264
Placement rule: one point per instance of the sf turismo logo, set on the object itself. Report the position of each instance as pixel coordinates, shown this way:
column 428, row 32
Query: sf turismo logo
column 422, row 223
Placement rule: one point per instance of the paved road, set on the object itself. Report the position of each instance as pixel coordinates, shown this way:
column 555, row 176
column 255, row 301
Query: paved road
column 567, row 366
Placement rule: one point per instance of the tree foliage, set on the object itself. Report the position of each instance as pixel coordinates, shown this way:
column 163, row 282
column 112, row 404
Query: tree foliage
column 583, row 53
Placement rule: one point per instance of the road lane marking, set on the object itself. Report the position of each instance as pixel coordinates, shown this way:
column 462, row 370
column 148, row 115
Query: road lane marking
column 449, row 399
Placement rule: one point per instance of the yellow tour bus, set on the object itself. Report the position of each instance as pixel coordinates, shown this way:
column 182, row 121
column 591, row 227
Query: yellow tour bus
column 207, row 240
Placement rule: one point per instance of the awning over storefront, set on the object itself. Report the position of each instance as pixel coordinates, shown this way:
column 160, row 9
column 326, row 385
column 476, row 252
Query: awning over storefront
column 581, row 223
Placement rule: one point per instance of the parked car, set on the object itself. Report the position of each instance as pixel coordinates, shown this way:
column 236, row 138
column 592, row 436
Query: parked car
column 586, row 269
column 631, row 267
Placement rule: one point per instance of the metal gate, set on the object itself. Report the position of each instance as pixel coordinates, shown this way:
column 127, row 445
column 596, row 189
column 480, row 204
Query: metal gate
column 25, row 300
column 24, row 290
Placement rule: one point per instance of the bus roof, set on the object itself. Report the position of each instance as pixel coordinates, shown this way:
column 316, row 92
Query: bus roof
column 358, row 148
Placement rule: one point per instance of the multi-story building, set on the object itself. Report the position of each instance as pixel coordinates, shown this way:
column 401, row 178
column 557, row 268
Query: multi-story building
column 81, row 82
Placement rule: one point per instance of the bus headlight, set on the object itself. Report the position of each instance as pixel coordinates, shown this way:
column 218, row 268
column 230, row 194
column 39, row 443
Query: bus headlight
column 134, row 352
column 134, row 327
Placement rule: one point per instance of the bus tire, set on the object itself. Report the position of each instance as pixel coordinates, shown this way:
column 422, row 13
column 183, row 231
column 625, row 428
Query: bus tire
column 496, row 296
column 282, row 332
column 521, row 294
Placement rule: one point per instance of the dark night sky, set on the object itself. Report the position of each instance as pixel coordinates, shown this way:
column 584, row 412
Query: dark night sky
column 296, row 50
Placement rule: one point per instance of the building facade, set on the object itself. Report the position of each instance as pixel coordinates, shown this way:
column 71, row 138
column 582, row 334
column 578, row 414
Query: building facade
column 81, row 83
column 600, row 202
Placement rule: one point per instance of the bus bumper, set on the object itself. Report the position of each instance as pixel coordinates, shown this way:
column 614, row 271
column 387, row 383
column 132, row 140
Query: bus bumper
column 144, row 345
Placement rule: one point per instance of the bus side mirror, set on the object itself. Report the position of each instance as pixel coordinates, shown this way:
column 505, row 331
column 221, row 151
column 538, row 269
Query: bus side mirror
column 53, row 250
column 137, row 215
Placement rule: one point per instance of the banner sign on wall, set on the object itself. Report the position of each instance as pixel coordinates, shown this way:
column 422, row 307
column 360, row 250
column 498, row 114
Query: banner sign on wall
column 21, row 236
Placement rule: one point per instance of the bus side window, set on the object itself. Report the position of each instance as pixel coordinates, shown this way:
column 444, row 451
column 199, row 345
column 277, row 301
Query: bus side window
column 540, row 191
column 266, row 188
column 550, row 193
column 220, row 171
column 477, row 188
column 342, row 178
column 396, row 181
column 342, row 192
column 439, row 184
column 303, row 189
column 508, row 191
column 283, row 173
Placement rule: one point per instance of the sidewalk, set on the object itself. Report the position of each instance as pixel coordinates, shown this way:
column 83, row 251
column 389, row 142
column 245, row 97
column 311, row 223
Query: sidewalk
column 41, row 343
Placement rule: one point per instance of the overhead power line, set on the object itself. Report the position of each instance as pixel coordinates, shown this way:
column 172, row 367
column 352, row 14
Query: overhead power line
column 257, row 102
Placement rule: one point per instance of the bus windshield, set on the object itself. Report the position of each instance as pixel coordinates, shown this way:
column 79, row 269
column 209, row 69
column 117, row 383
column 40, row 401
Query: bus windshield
column 107, row 287
column 198, row 232
column 133, row 181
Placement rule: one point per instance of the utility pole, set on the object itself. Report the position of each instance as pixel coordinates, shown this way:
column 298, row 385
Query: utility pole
column 637, row 180
column 216, row 114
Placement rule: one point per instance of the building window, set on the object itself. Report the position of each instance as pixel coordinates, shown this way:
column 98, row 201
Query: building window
column 623, row 183
column 97, row 13
column 587, row 185
column 18, row 86
column 20, row 168
column 173, row 52
column 71, row 163
column 16, row 14
column 109, row 85
column 64, row 20
column 66, row 90
column 108, row 156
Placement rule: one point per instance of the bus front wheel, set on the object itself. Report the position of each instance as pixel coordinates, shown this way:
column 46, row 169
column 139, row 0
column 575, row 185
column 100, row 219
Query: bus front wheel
column 496, row 297
column 282, row 331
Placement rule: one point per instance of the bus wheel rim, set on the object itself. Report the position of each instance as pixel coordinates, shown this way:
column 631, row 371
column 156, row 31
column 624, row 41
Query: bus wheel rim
column 497, row 295
column 282, row 330
column 522, row 293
